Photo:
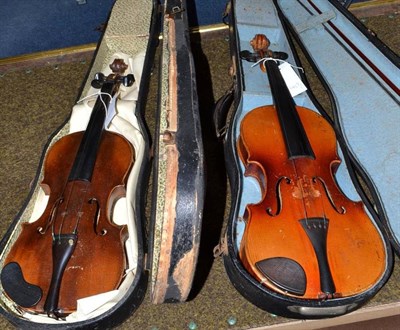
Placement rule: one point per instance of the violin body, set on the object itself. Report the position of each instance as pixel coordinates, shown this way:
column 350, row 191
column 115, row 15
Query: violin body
column 97, row 263
column 305, row 238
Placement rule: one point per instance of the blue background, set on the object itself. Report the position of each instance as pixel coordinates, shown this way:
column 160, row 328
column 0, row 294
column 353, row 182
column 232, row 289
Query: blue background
column 29, row 26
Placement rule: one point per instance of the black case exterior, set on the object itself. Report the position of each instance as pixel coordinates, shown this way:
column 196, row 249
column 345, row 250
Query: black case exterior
column 247, row 286
column 178, row 196
column 135, row 295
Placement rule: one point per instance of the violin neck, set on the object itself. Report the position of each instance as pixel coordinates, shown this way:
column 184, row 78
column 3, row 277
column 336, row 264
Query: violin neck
column 83, row 166
column 296, row 141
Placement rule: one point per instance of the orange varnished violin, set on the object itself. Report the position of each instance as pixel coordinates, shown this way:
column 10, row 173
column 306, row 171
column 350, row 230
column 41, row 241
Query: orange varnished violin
column 305, row 238
column 75, row 250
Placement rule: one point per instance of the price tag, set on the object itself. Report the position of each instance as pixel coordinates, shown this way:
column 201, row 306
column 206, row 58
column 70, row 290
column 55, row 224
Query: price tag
column 292, row 80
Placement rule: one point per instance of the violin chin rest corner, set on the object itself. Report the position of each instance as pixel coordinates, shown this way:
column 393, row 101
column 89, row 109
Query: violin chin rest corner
column 285, row 273
column 21, row 292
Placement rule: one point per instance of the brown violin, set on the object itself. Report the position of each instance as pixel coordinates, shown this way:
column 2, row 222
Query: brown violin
column 305, row 238
column 75, row 250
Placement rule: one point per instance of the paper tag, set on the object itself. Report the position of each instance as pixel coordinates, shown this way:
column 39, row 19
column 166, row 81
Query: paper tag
column 110, row 111
column 292, row 80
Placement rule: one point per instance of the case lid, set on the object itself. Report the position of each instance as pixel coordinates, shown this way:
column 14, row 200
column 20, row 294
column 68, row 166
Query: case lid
column 365, row 85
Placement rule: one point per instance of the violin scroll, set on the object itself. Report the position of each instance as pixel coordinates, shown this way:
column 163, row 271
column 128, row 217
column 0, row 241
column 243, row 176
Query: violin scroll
column 118, row 66
column 260, row 44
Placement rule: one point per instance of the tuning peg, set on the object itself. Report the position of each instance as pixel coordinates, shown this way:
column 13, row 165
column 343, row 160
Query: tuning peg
column 249, row 56
column 254, row 57
column 128, row 80
column 98, row 80
column 280, row 55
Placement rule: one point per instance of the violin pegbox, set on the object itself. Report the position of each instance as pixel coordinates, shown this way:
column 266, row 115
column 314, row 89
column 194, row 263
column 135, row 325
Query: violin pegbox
column 260, row 44
column 118, row 67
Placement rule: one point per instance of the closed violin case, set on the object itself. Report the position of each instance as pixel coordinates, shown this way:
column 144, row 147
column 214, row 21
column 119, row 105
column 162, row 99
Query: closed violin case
column 178, row 166
column 361, row 76
column 167, row 254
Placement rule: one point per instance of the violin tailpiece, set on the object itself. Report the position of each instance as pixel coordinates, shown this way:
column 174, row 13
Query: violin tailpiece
column 63, row 247
column 317, row 230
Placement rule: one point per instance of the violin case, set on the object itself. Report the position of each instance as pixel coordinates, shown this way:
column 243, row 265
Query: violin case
column 162, row 247
column 362, row 78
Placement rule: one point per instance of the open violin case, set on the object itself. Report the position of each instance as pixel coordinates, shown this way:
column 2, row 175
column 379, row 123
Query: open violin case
column 361, row 77
column 167, row 256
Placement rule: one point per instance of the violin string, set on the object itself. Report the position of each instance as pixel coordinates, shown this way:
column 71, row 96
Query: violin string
column 63, row 215
column 303, row 194
column 99, row 94
column 66, row 207
column 78, row 214
column 322, row 202
column 63, row 201
column 263, row 60
column 301, row 191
